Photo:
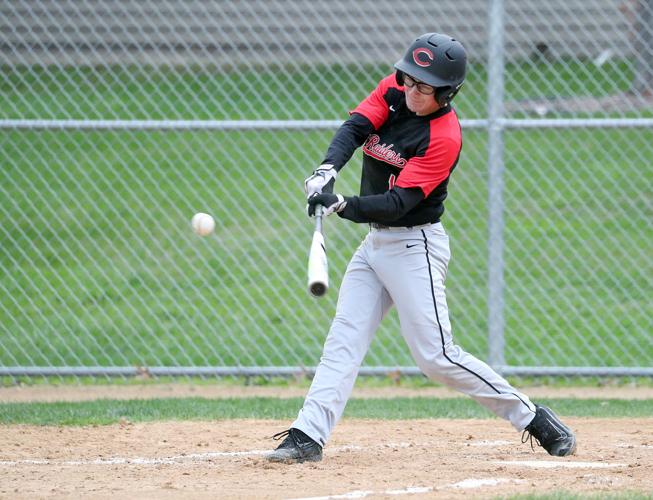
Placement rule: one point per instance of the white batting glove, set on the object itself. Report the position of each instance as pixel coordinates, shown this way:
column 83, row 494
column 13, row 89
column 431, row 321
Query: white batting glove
column 321, row 181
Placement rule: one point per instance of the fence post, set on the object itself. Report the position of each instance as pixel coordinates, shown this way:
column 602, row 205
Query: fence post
column 495, row 184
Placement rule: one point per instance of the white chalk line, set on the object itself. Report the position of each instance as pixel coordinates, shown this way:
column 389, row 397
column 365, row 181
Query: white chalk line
column 473, row 483
column 173, row 460
column 194, row 458
column 466, row 484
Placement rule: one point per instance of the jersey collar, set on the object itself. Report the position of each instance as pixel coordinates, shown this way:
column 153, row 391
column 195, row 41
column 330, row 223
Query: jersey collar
column 440, row 112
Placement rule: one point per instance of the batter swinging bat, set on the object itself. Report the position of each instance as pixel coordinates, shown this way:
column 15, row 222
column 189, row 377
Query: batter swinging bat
column 318, row 267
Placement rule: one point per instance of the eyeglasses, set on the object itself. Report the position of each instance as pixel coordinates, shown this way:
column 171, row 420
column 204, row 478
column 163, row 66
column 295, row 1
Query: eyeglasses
column 422, row 88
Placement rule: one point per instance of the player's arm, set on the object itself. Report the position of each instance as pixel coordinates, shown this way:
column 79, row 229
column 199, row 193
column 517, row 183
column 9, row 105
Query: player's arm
column 349, row 137
column 369, row 115
column 386, row 207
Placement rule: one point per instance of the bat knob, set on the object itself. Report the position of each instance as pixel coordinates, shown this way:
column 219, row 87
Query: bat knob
column 318, row 289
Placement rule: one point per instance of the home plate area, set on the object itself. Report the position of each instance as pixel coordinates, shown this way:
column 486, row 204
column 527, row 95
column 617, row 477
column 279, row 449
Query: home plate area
column 440, row 458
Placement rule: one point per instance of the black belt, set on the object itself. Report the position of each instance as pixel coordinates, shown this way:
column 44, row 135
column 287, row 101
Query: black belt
column 376, row 225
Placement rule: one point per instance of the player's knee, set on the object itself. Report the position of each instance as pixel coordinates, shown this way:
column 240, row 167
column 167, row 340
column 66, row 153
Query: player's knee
column 435, row 365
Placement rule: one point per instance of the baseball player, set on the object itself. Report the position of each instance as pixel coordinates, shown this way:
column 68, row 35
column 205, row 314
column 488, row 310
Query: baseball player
column 411, row 140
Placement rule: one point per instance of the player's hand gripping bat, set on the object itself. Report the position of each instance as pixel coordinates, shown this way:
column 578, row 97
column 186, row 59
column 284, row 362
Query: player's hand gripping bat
column 318, row 267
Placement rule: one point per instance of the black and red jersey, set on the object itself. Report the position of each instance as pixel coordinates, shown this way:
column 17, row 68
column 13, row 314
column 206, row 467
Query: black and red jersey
column 407, row 159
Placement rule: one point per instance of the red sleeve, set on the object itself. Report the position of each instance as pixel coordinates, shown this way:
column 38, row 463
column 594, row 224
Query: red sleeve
column 428, row 171
column 374, row 107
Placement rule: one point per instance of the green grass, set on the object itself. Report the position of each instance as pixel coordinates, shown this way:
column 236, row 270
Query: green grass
column 389, row 380
column 96, row 247
column 100, row 268
column 106, row 411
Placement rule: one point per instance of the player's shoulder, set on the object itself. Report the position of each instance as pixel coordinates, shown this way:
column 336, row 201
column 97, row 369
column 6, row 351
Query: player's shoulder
column 445, row 124
column 446, row 116
column 388, row 83
column 391, row 81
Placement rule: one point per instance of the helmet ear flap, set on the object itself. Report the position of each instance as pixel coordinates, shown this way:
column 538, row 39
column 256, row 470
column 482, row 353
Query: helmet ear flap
column 399, row 77
column 444, row 95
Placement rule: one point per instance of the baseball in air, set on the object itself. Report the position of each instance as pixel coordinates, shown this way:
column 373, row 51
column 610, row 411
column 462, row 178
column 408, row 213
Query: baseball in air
column 203, row 224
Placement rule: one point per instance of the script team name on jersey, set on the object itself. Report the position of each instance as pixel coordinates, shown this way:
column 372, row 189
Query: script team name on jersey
column 383, row 152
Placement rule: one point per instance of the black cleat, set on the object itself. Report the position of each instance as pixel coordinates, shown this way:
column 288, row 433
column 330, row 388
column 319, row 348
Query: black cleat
column 550, row 433
column 296, row 448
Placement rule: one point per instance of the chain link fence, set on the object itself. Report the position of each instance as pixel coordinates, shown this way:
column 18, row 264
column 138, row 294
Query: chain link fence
column 120, row 120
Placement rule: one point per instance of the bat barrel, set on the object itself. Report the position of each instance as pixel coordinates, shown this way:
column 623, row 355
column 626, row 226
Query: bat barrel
column 318, row 267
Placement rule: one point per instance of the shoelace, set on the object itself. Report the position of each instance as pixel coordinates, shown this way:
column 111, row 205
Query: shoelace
column 526, row 436
column 281, row 434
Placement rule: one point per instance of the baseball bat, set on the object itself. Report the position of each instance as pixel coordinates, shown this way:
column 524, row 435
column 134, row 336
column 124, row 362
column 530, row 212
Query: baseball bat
column 318, row 267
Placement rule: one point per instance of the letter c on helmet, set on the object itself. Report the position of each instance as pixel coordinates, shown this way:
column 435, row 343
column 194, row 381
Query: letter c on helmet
column 421, row 51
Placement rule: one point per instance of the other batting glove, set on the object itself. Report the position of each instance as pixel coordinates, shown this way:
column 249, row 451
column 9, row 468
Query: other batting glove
column 331, row 202
column 321, row 181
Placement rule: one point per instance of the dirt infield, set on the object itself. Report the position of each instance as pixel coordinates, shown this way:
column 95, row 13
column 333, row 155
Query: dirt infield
column 364, row 459
column 438, row 458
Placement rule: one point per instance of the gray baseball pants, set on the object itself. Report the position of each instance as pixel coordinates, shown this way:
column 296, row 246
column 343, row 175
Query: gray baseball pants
column 406, row 267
